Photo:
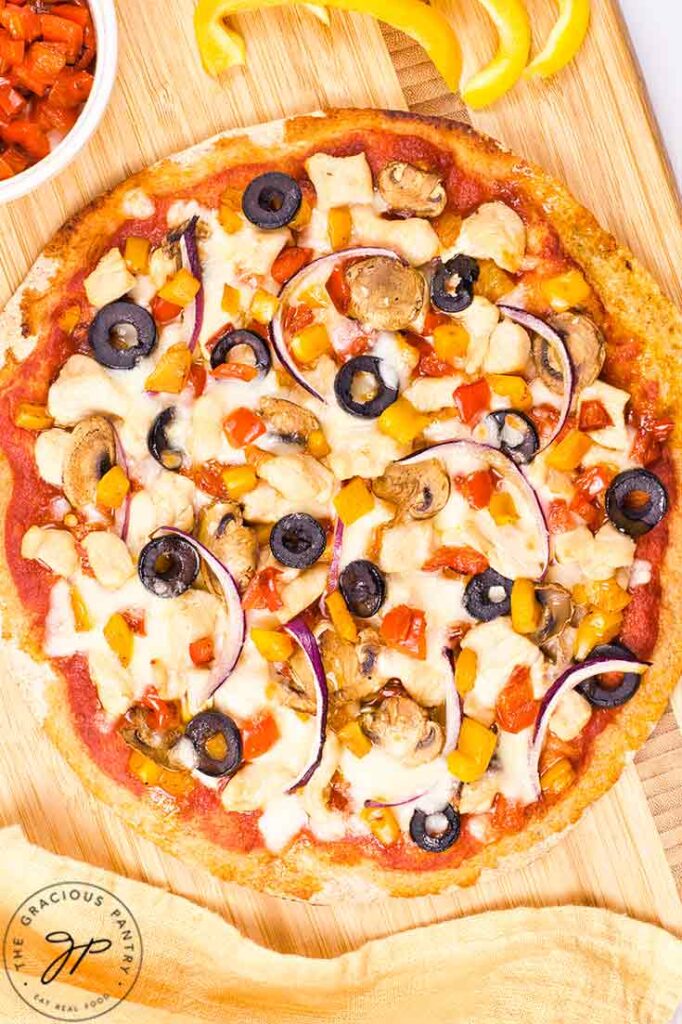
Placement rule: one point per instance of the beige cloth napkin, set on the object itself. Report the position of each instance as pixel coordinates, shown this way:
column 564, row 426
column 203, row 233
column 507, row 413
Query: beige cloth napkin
column 571, row 965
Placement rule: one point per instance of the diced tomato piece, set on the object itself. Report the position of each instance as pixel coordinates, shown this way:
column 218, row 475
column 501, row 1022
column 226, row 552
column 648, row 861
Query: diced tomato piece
column 11, row 50
column 234, row 371
column 162, row 714
column 28, row 137
column 477, row 487
column 289, row 262
column 46, row 60
column 163, row 311
column 464, row 560
column 429, row 364
column 202, row 651
column 258, row 328
column 25, row 77
column 197, row 378
column 63, row 30
column 516, row 707
column 263, row 592
column 472, row 399
column 21, row 23
column 594, row 481
column 508, row 815
column 405, row 629
column 136, row 621
column 71, row 88
column 593, row 416
column 559, row 517
column 11, row 101
column 242, row 426
column 545, row 418
column 258, row 735
column 434, row 319
column 651, row 434
column 584, row 507
column 296, row 318
column 79, row 15
column 209, row 478
column 53, row 118
column 338, row 289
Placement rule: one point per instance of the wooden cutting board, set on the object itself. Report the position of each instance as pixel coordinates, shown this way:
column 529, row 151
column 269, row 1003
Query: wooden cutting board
column 592, row 127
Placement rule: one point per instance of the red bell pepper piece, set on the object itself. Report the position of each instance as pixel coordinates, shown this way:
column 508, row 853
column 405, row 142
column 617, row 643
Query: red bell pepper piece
column 258, row 735
column 477, row 487
column 338, row 289
column 472, row 399
column 242, row 426
column 263, row 592
column 516, row 707
column 405, row 629
column 164, row 311
column 593, row 416
column 234, row 371
column 202, row 651
column 296, row 318
column 289, row 262
column 464, row 560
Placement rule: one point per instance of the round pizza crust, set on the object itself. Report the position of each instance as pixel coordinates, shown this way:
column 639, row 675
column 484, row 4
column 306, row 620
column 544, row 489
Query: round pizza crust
column 637, row 307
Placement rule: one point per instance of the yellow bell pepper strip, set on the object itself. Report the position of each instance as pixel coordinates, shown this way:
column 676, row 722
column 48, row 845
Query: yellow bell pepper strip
column 564, row 41
column 353, row 501
column 222, row 48
column 342, row 620
column 30, row 416
column 112, row 488
column 352, row 737
column 510, row 18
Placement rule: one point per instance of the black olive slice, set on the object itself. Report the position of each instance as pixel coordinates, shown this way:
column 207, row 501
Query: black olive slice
column 452, row 287
column 437, row 832
column 636, row 501
column 488, row 595
column 513, row 433
column 168, row 565
column 601, row 696
column 363, row 586
column 210, row 730
column 272, row 200
column 381, row 394
column 158, row 443
column 232, row 339
column 297, row 540
column 121, row 334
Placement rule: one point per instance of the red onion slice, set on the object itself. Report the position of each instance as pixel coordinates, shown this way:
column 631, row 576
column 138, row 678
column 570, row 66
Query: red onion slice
column 453, row 711
column 122, row 514
column 189, row 236
column 396, row 803
column 568, row 680
column 334, row 566
column 233, row 641
column 287, row 293
column 505, row 466
column 553, row 338
column 300, row 632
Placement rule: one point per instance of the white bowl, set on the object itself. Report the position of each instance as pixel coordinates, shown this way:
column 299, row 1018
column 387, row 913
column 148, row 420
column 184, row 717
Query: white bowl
column 106, row 31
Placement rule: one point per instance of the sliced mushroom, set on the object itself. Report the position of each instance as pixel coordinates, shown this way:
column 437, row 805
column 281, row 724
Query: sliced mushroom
column 155, row 744
column 586, row 347
column 410, row 191
column 222, row 530
column 91, row 454
column 420, row 489
column 403, row 729
column 296, row 688
column 557, row 612
column 350, row 667
column 287, row 420
column 385, row 293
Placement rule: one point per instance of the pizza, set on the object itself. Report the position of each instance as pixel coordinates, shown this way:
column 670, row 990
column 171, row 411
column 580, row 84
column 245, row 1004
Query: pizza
column 339, row 503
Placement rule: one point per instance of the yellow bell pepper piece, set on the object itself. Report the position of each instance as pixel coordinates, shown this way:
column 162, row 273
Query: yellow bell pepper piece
column 144, row 768
column 69, row 318
column 557, row 778
column 525, row 607
column 493, row 282
column 510, row 18
column 402, row 422
column 32, row 417
column 569, row 452
column 230, row 220
column 450, row 342
column 353, row 501
column 272, row 645
column 120, row 638
column 136, row 254
column 604, row 595
column 180, row 289
column 352, row 737
column 239, row 480
column 564, row 40
column 382, row 823
column 172, row 370
column 317, row 445
column 447, row 226
column 263, row 306
column 81, row 615
column 303, row 217
column 339, row 227
column 315, row 297
column 475, row 748
column 466, row 668
column 342, row 620
column 112, row 488
column 566, row 290
column 513, row 388
column 310, row 343
column 221, row 47
column 231, row 300
column 502, row 508
column 175, row 783
column 596, row 628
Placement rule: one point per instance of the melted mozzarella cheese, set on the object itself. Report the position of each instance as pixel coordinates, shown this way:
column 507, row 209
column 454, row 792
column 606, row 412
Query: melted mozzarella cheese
column 358, row 537
column 597, row 556
column 494, row 232
column 499, row 650
column 429, row 394
column 413, row 238
column 614, row 402
column 84, row 388
column 479, row 319
column 340, row 180
column 515, row 778
column 50, row 452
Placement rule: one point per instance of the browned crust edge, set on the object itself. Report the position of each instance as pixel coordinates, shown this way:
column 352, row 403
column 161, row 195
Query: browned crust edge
column 637, row 306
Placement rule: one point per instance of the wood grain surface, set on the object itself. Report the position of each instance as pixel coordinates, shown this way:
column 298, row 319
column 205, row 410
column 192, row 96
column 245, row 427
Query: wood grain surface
column 592, row 127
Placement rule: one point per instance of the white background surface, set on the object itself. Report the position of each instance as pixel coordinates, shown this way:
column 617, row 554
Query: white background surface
column 655, row 27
